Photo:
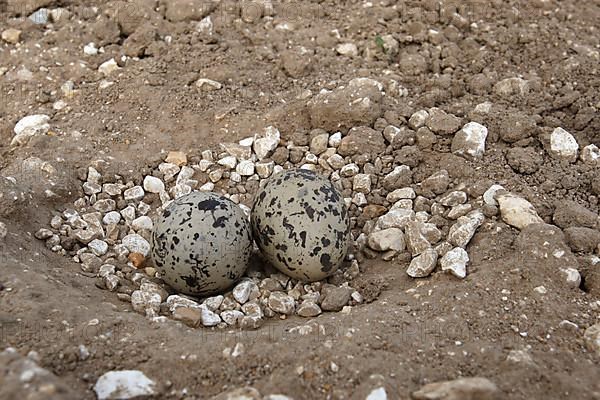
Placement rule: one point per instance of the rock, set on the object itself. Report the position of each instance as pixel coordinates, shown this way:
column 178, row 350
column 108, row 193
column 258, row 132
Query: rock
column 441, row 123
column 464, row 228
column 592, row 339
column 243, row 291
column 187, row 10
column 363, row 140
column 142, row 223
column 582, row 239
column 469, row 142
column 415, row 241
column 591, row 155
column 208, row 84
column 231, row 317
column 308, row 309
column 563, row 145
column 569, row 213
column 358, row 104
column 318, row 144
column 136, row 244
column 3, row 230
column 29, row 126
column 133, row 194
column 377, row 394
column 208, row 317
column 398, row 218
column 245, row 393
column 349, row 170
column 177, row 158
column 516, row 126
column 125, row 384
column 400, row 177
column 520, row 357
column 145, row 302
column 362, row 183
column 11, row 35
column 489, row 197
column 336, row 161
column 459, row 389
column 572, row 277
column 387, row 239
column 453, row 198
column 517, row 211
column 335, row 298
column 335, row 140
column 511, row 87
column 98, row 247
column 43, row 234
column 399, row 194
column 281, row 303
column 455, row 261
column 40, row 16
column 418, row 119
column 213, row 303
column 264, row 169
column 175, row 301
column 108, row 67
column 190, row 316
column 265, row 144
column 245, row 168
column 422, row 265
column 153, row 184
column 437, row 183
column 347, row 49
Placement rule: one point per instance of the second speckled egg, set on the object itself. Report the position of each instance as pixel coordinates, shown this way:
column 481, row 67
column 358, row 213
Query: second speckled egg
column 301, row 224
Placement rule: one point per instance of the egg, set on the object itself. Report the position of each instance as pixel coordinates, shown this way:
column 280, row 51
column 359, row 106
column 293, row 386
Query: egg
column 301, row 225
column 202, row 243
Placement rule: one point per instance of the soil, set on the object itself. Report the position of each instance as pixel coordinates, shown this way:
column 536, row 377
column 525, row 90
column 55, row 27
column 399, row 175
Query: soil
column 271, row 62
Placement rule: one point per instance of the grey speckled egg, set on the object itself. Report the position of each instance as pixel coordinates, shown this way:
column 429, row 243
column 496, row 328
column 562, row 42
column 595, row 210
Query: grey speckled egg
column 301, row 225
column 202, row 243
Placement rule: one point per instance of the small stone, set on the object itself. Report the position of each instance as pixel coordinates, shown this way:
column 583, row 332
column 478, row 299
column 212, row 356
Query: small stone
column 592, row 339
column 213, row 303
column 563, row 145
column 128, row 213
column 442, row 123
column 133, row 194
column 175, row 301
column 469, row 142
column 349, row 170
column 422, row 265
column 459, row 211
column 517, row 211
column 208, row 84
column 153, row 184
column 319, row 143
column 519, row 357
column 251, row 322
column 243, row 290
column 308, row 309
column 540, row 290
column 437, row 183
column 335, row 139
column 377, row 394
column 463, row 388
column 90, row 49
column 399, row 194
column 591, row 155
column 105, row 205
column 228, row 162
column 362, row 183
column 455, row 261
column 264, row 169
column 11, row 35
column 177, row 158
column 208, row 317
column 489, row 197
column 416, row 242
column 572, row 277
column 511, row 87
column 126, row 384
column 108, row 67
column 281, row 303
column 245, row 168
column 141, row 223
column 387, row 239
column 137, row 259
column 265, row 144
column 40, row 16
column 335, row 298
column 464, row 228
column 418, row 119
column 454, row 198
column 336, row 162
column 44, row 234
column 98, row 247
column 398, row 218
column 347, row 49
column 136, row 244
column 31, row 125
column 90, row 188
column 582, row 239
column 188, row 315
column 147, row 303
column 231, row 317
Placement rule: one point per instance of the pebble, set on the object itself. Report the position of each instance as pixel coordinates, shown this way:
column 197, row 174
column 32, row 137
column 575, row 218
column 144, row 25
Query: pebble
column 591, row 155
column 349, row 170
column 418, row 119
column 98, row 247
column 387, row 239
column 264, row 169
column 141, row 223
column 133, row 194
column 459, row 211
column 453, row 198
column 105, row 205
column 563, row 145
column 153, row 184
column 489, row 197
column 90, row 49
column 188, row 315
column 11, row 35
column 416, row 242
column 319, row 143
column 377, row 394
column 231, row 317
column 422, row 265
column 469, row 142
column 44, row 234
column 401, row 176
column 572, row 277
column 228, row 162
column 3, row 230
column 398, row 218
column 265, row 144
column 243, row 290
column 175, row 301
column 40, row 16
column 437, row 183
column 335, row 139
column 455, row 261
column 208, row 317
column 362, row 183
column 336, row 162
column 335, row 298
column 464, row 228
column 245, row 168
column 128, row 213
column 208, row 84
column 592, row 339
column 177, row 158
column 308, row 309
column 281, row 303
column 29, row 126
column 347, row 49
column 136, row 244
column 516, row 211
column 463, row 388
column 108, row 67
column 126, row 384
column 147, row 303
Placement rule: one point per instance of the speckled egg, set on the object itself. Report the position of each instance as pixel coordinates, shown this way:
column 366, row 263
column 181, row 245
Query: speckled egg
column 301, row 224
column 202, row 243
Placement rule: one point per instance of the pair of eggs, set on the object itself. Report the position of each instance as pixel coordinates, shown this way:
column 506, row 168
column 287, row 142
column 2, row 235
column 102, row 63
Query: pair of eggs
column 203, row 241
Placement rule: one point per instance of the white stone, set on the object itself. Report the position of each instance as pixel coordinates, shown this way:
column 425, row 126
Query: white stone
column 418, row 119
column 175, row 301
column 517, row 211
column 359, row 199
column 470, row 140
column 208, row 317
column 399, row 194
column 572, row 277
column 207, row 187
column 228, row 162
column 108, row 67
column 128, row 213
column 231, row 317
column 349, row 170
column 591, row 155
column 134, row 193
column 90, row 49
column 247, row 141
column 125, row 384
column 29, row 126
column 398, row 218
column 265, row 144
column 281, row 303
column 461, row 233
column 153, row 184
column 347, row 49
column 377, row 394
column 98, row 247
column 143, row 222
column 245, row 168
column 264, row 169
column 422, row 265
column 455, row 261
column 362, row 183
column 387, row 239
column 208, row 84
column 136, row 244
column 563, row 145
column 489, row 197
column 241, row 292
column 335, row 139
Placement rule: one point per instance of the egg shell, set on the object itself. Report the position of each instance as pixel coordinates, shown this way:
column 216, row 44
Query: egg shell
column 202, row 243
column 301, row 224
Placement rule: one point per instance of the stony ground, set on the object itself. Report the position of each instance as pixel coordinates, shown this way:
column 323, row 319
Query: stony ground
column 462, row 135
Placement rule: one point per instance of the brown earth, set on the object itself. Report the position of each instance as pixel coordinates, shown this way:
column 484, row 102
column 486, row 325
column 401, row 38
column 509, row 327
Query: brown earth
column 413, row 332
